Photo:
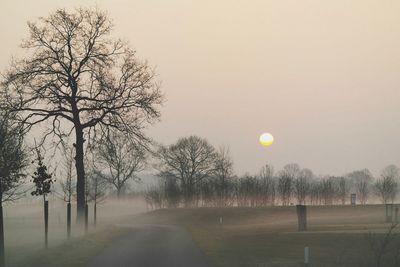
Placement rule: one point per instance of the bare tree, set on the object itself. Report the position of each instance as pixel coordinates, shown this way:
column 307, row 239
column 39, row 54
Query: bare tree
column 247, row 191
column 328, row 190
column 316, row 193
column 154, row 197
column 68, row 184
column 80, row 80
column 343, row 189
column 302, row 185
column 362, row 181
column 285, row 187
column 96, row 191
column 386, row 186
column 223, row 173
column 380, row 244
column 172, row 192
column 190, row 160
column 13, row 160
column 286, row 180
column 268, row 184
column 121, row 159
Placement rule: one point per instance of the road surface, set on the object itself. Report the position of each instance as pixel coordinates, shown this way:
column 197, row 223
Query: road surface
column 151, row 246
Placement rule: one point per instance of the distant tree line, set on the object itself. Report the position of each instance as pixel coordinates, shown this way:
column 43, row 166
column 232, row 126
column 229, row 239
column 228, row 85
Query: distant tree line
column 193, row 173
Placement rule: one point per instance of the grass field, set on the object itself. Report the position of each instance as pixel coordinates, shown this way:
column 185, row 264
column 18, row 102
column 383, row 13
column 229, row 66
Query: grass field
column 253, row 237
column 337, row 235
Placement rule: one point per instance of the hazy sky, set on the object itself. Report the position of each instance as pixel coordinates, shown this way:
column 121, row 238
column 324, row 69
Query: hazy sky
column 322, row 76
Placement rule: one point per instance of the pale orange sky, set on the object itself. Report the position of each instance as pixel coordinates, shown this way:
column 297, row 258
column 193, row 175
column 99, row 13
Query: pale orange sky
column 322, row 76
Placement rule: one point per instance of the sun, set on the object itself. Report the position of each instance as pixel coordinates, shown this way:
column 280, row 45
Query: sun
column 266, row 139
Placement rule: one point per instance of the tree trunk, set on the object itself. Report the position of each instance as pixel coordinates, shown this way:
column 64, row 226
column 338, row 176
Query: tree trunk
column 2, row 254
column 46, row 224
column 69, row 220
column 86, row 218
column 80, row 171
column 95, row 213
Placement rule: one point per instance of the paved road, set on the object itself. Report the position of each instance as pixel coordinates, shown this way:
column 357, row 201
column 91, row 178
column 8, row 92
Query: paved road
column 152, row 246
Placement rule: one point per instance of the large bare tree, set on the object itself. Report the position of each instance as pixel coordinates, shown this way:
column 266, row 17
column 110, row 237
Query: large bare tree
column 190, row 160
column 79, row 79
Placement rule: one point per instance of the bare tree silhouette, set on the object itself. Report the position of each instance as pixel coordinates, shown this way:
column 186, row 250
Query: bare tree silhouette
column 121, row 159
column 386, row 185
column 190, row 160
column 80, row 80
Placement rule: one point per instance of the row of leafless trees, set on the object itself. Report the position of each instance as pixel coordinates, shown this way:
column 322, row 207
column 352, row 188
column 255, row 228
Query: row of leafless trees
column 111, row 164
column 193, row 173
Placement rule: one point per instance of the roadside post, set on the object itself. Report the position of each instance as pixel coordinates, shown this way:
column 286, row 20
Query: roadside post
column 306, row 256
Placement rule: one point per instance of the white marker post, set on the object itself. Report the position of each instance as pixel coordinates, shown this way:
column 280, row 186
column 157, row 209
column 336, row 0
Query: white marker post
column 306, row 257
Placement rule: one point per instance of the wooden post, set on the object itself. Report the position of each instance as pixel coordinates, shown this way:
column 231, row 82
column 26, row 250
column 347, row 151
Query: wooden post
column 389, row 213
column 46, row 224
column 86, row 218
column 302, row 217
column 69, row 220
column 396, row 215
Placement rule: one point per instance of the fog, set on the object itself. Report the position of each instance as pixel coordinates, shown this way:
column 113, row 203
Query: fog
column 321, row 76
column 24, row 224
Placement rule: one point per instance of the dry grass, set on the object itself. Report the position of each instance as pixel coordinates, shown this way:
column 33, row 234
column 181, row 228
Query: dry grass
column 268, row 236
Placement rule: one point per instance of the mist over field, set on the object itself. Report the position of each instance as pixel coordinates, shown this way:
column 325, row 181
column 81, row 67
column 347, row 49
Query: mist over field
column 206, row 133
column 23, row 226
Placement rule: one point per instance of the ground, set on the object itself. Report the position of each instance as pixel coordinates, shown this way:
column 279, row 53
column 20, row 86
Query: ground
column 151, row 245
column 336, row 236
column 265, row 236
